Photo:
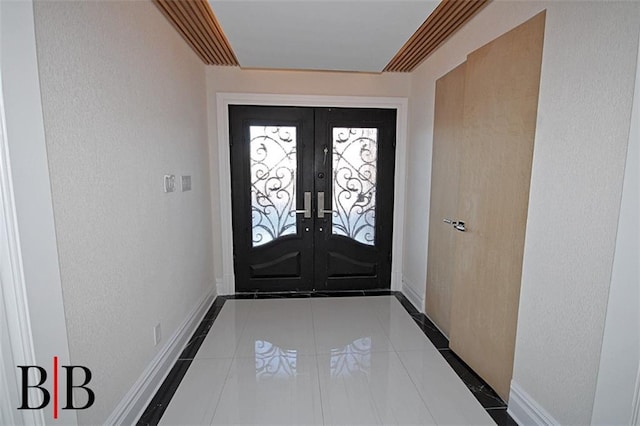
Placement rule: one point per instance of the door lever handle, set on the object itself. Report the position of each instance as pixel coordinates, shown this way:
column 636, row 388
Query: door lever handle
column 321, row 209
column 457, row 224
column 307, row 205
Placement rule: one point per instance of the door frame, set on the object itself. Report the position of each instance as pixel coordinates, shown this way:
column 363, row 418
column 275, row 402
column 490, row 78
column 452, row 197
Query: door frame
column 16, row 338
column 223, row 100
column 28, row 240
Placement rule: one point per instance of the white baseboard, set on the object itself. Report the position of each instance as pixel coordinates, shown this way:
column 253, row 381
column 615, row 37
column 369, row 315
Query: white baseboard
column 396, row 281
column 220, row 289
column 133, row 404
column 413, row 296
column 226, row 285
column 635, row 411
column 525, row 410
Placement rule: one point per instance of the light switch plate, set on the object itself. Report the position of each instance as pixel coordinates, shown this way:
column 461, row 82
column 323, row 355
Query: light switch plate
column 169, row 183
column 186, row 183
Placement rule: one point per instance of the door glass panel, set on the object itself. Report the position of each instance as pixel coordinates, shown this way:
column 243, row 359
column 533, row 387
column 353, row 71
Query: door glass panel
column 355, row 152
column 273, row 182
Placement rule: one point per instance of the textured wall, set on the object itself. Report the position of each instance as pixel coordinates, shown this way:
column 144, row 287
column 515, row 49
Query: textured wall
column 124, row 102
column 586, row 91
column 588, row 72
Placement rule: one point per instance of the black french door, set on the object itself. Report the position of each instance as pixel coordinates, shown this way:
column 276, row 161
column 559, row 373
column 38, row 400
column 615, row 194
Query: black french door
column 312, row 197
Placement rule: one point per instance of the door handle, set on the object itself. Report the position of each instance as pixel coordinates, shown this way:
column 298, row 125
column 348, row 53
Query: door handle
column 307, row 205
column 457, row 224
column 321, row 209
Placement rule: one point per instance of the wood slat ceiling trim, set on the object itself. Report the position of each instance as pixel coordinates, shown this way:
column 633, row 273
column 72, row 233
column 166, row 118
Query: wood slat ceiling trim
column 197, row 24
column 444, row 21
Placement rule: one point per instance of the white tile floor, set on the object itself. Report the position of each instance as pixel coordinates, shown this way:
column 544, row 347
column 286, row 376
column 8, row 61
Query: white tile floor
column 350, row 360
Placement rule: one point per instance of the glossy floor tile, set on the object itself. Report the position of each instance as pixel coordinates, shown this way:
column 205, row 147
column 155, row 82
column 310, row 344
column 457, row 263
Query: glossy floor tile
column 285, row 323
column 224, row 336
column 196, row 399
column 362, row 387
column 448, row 399
column 320, row 360
column 277, row 387
column 342, row 321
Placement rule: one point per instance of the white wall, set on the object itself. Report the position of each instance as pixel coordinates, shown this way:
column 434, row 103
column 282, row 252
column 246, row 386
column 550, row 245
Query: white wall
column 235, row 80
column 586, row 91
column 619, row 362
column 124, row 103
column 588, row 73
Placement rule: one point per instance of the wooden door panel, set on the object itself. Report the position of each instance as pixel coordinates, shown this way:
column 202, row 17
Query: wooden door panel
column 447, row 138
column 271, row 170
column 339, row 265
column 353, row 242
column 284, row 161
column 286, row 266
column 500, row 105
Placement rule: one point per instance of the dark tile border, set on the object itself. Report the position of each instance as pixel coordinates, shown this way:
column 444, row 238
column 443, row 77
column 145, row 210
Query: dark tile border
column 501, row 417
column 487, row 397
column 161, row 399
column 307, row 294
column 481, row 390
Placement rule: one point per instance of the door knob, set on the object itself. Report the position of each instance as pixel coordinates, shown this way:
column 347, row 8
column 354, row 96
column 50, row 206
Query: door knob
column 307, row 205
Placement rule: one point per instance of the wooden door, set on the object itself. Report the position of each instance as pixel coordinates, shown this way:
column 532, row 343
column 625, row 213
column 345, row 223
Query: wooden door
column 447, row 140
column 355, row 152
column 500, row 105
column 271, row 169
column 312, row 197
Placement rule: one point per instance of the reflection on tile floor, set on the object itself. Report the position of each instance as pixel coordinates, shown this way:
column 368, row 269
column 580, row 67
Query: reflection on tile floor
column 321, row 360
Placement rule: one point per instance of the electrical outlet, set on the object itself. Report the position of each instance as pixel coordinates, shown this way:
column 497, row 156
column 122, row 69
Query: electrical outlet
column 157, row 334
column 186, row 183
column 169, row 183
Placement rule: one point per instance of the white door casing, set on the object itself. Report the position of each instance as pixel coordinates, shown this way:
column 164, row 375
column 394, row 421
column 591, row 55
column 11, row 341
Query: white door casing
column 31, row 284
column 223, row 100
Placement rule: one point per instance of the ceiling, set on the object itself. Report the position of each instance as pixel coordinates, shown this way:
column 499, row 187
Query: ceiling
column 336, row 35
column 351, row 35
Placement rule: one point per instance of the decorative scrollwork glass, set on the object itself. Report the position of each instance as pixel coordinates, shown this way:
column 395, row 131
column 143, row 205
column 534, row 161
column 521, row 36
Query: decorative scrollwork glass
column 273, row 182
column 355, row 155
